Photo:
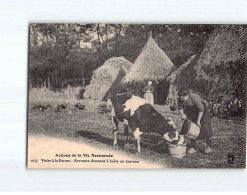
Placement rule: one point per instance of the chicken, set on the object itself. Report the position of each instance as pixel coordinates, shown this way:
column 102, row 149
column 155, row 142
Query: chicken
column 79, row 106
column 61, row 106
column 41, row 107
column 36, row 106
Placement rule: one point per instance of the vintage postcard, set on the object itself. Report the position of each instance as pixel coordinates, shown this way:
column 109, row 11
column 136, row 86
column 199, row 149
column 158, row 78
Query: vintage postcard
column 136, row 96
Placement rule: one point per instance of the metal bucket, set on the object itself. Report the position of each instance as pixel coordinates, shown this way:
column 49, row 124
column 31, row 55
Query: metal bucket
column 177, row 151
column 193, row 130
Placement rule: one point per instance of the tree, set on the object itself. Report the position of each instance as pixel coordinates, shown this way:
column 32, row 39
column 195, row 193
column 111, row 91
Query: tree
column 68, row 53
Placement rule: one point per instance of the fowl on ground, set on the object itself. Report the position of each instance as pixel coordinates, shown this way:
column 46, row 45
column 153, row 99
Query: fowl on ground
column 41, row 107
column 79, row 106
column 36, row 106
column 61, row 107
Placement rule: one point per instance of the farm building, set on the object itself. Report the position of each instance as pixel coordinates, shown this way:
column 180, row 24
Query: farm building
column 183, row 77
column 104, row 77
column 222, row 64
column 151, row 65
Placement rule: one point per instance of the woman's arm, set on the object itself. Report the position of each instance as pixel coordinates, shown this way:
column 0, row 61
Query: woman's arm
column 181, row 108
column 199, row 119
column 181, row 112
column 144, row 89
column 198, row 103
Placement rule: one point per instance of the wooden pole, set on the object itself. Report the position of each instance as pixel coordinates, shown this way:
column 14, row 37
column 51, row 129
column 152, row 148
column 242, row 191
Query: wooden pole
column 44, row 84
column 56, row 76
column 43, row 92
column 83, row 82
column 68, row 89
column 48, row 82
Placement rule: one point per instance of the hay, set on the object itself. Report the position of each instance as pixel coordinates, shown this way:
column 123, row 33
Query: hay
column 117, row 86
column 183, row 77
column 104, row 77
column 222, row 64
column 174, row 75
column 219, row 70
column 152, row 64
column 226, row 45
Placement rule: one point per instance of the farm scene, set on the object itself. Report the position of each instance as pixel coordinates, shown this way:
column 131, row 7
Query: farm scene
column 162, row 95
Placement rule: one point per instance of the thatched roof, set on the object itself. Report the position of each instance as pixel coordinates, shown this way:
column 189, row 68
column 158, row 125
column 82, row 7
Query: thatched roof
column 104, row 77
column 178, row 74
column 152, row 64
column 111, row 68
column 117, row 86
column 226, row 45
column 222, row 63
column 183, row 78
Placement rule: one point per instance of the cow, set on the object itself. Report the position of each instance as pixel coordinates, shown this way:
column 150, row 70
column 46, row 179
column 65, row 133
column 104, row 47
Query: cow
column 141, row 117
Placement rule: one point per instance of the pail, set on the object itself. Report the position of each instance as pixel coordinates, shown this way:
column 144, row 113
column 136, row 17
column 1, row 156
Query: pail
column 193, row 130
column 177, row 151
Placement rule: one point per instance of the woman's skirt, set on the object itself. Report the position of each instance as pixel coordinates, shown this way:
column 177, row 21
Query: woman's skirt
column 149, row 98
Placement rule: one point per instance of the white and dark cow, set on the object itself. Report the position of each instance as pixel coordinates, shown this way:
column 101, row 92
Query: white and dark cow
column 141, row 117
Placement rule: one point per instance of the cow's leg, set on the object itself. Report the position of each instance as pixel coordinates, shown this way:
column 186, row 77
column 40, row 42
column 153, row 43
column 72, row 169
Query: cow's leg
column 115, row 145
column 137, row 134
column 133, row 124
column 126, row 135
column 115, row 129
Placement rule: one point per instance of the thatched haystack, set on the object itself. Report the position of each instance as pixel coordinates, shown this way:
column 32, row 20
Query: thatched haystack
column 222, row 64
column 154, row 65
column 151, row 64
column 104, row 77
column 117, row 86
column 183, row 78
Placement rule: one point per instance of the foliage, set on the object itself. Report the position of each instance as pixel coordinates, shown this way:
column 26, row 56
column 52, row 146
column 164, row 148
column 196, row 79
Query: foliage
column 62, row 54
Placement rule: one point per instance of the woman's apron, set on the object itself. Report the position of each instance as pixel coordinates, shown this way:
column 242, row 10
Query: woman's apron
column 148, row 96
column 192, row 114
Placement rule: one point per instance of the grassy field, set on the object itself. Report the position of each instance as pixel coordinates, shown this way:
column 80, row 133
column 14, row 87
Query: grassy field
column 96, row 129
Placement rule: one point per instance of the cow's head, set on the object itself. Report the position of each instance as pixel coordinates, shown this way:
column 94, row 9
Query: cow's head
column 171, row 134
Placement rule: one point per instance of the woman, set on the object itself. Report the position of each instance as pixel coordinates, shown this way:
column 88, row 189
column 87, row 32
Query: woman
column 193, row 108
column 149, row 90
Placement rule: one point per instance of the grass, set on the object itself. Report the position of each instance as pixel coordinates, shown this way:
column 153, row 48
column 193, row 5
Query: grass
column 90, row 126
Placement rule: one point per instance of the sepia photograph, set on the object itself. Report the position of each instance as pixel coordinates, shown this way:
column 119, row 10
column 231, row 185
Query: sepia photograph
column 136, row 96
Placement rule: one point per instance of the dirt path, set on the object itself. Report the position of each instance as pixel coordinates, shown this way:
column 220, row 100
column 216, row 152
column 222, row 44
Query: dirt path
column 44, row 149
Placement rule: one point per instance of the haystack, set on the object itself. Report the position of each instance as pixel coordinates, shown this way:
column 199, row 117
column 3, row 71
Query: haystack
column 154, row 65
column 117, row 86
column 104, row 77
column 222, row 64
column 183, row 78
